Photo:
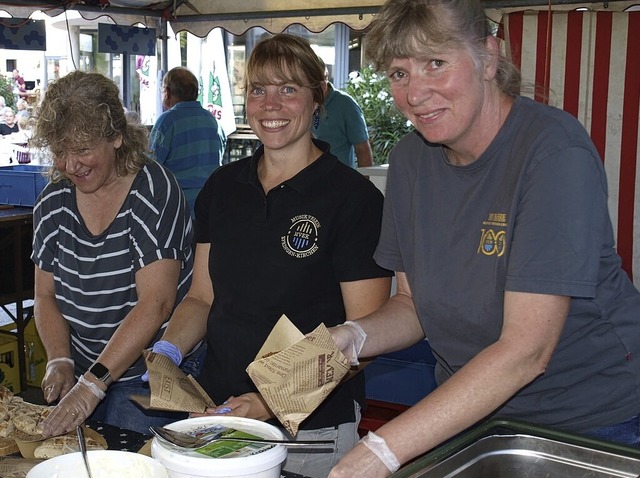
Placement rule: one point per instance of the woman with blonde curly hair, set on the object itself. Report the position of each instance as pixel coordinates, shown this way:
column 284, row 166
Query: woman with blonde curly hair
column 112, row 248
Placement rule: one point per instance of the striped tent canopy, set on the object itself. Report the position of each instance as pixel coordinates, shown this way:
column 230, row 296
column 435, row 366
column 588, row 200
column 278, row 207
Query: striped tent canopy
column 589, row 63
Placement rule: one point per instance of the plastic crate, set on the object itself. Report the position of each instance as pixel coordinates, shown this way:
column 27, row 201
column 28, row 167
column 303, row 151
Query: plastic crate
column 9, row 367
column 404, row 377
column 20, row 185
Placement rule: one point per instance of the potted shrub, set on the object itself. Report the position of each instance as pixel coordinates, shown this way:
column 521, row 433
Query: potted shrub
column 385, row 123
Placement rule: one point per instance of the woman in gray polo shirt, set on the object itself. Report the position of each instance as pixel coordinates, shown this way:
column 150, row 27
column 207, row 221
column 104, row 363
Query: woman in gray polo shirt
column 497, row 226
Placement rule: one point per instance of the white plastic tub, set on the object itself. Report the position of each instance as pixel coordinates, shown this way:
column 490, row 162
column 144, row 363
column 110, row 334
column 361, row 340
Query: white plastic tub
column 191, row 464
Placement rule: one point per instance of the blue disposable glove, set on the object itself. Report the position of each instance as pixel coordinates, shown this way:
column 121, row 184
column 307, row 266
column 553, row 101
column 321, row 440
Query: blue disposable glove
column 167, row 349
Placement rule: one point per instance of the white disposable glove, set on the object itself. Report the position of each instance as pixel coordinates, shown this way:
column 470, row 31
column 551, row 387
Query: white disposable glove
column 58, row 379
column 350, row 338
column 73, row 409
column 379, row 447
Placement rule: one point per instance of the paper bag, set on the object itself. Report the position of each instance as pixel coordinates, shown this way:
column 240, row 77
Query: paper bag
column 171, row 389
column 295, row 373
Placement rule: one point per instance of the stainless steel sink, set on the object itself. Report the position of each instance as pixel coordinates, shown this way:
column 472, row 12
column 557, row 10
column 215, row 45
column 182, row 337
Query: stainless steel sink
column 531, row 457
column 506, row 452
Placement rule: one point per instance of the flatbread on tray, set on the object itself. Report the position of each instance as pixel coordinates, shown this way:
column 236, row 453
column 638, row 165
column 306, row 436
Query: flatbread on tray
column 21, row 430
column 8, row 446
column 27, row 418
column 37, row 447
column 6, row 425
column 64, row 444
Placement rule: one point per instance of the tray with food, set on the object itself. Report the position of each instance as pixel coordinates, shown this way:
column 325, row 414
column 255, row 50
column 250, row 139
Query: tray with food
column 21, row 430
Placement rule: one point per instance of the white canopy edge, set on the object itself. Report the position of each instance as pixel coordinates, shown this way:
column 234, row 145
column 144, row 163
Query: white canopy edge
column 199, row 17
column 314, row 24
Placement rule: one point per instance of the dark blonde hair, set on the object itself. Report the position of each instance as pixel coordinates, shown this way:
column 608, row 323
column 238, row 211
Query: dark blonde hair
column 285, row 58
column 82, row 108
column 415, row 28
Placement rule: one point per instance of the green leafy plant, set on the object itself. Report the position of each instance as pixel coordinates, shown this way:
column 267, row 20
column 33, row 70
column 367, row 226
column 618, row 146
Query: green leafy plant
column 6, row 90
column 385, row 123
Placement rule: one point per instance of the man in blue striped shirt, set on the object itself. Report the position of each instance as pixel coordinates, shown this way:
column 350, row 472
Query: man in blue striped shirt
column 186, row 137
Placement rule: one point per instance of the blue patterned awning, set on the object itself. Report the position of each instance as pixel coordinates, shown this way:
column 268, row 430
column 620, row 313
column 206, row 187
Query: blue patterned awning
column 121, row 39
column 22, row 34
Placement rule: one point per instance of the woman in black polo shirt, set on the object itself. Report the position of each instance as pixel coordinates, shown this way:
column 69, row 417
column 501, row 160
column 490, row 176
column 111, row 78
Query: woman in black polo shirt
column 290, row 230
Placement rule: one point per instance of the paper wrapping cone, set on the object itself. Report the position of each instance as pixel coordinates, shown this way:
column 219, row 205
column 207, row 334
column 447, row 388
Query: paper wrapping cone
column 171, row 389
column 296, row 380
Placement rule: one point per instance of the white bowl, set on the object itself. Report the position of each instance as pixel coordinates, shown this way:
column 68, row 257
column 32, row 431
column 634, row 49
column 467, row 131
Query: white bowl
column 103, row 463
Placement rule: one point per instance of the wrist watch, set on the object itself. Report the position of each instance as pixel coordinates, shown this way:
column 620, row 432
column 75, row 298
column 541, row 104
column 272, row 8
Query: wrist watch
column 100, row 372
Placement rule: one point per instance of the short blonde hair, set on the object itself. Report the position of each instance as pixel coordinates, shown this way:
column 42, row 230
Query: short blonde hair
column 285, row 58
column 415, row 28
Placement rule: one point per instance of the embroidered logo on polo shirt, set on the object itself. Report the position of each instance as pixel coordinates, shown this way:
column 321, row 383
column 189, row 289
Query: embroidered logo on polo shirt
column 492, row 238
column 302, row 238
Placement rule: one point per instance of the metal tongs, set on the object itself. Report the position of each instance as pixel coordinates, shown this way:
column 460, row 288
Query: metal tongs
column 83, row 448
column 185, row 440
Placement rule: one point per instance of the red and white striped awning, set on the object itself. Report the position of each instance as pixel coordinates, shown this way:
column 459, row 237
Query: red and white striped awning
column 590, row 63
